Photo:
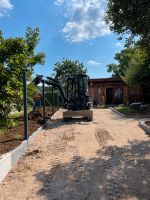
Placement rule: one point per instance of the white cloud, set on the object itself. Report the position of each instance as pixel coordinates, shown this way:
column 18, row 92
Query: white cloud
column 119, row 44
column 5, row 5
column 58, row 2
column 93, row 62
column 84, row 19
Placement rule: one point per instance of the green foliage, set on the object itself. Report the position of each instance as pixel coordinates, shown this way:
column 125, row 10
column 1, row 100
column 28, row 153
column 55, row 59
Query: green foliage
column 131, row 18
column 138, row 70
column 2, row 130
column 7, row 122
column 16, row 55
column 65, row 68
column 123, row 58
column 123, row 109
column 133, row 66
column 16, row 114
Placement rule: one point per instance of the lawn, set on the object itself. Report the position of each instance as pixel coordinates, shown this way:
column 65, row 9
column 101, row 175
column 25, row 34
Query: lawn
column 124, row 109
column 127, row 111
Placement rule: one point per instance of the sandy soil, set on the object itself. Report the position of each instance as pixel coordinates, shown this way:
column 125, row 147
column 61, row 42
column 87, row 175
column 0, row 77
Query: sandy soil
column 106, row 159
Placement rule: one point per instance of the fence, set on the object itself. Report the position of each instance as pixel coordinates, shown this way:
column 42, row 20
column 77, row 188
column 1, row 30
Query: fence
column 21, row 126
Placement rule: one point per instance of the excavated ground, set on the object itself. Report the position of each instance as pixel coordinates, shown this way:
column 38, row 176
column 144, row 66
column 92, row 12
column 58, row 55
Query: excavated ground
column 106, row 159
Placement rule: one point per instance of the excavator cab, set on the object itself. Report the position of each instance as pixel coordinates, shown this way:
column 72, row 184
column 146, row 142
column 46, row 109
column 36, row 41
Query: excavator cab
column 77, row 92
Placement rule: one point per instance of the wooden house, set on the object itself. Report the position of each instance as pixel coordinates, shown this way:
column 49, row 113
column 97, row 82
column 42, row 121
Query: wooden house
column 108, row 91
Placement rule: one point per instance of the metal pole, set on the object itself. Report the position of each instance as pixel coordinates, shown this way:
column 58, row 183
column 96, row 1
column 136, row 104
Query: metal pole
column 57, row 99
column 52, row 99
column 43, row 93
column 25, row 106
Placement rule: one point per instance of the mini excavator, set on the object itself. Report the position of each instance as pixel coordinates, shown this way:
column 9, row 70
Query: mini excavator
column 74, row 98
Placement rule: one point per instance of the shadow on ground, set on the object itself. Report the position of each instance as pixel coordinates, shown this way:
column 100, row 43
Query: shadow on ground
column 115, row 173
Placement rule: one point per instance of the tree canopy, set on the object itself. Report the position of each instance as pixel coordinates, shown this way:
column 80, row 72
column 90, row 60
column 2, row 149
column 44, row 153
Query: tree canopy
column 130, row 17
column 123, row 58
column 133, row 66
column 138, row 68
column 16, row 55
column 65, row 68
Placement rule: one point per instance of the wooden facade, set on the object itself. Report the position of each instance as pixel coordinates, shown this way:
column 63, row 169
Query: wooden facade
column 107, row 91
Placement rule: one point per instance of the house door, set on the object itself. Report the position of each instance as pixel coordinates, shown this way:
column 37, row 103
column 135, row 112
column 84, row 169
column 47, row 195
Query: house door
column 109, row 95
column 118, row 95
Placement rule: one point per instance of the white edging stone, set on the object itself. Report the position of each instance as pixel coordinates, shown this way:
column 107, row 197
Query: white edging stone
column 18, row 152
column 129, row 116
column 8, row 160
column 35, row 134
column 5, row 165
column 144, row 127
column 117, row 112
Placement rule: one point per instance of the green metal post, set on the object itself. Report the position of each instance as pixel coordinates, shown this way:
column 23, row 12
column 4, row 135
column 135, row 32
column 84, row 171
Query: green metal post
column 43, row 93
column 25, row 106
column 52, row 99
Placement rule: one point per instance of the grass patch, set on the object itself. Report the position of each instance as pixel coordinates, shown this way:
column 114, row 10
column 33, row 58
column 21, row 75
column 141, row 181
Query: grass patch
column 127, row 111
column 16, row 114
column 124, row 110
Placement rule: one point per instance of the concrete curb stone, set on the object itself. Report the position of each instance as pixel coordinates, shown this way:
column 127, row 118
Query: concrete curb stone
column 8, row 160
column 117, row 112
column 129, row 116
column 144, row 127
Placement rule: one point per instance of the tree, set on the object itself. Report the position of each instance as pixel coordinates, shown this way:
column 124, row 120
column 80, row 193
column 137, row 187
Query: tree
column 123, row 58
column 65, row 68
column 130, row 17
column 138, row 71
column 16, row 55
column 133, row 66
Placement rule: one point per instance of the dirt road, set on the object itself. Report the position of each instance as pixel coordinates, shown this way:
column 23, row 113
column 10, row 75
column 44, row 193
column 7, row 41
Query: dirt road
column 106, row 159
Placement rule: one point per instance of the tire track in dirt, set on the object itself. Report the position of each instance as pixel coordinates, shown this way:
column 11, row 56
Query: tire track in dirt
column 58, row 172
column 60, row 146
column 102, row 136
column 113, row 188
column 68, row 136
column 106, row 167
column 78, row 189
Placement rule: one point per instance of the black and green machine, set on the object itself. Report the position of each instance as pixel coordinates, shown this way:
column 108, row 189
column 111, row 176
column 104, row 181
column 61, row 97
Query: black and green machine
column 73, row 93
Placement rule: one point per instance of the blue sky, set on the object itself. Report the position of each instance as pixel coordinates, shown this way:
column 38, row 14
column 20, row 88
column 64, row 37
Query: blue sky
column 72, row 29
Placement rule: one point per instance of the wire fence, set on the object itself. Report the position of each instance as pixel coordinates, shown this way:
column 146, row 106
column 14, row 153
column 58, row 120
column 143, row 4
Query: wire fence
column 21, row 125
